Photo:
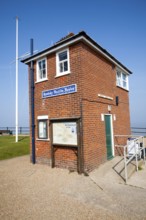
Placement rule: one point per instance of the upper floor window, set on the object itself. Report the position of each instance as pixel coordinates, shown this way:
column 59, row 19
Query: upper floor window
column 62, row 62
column 122, row 80
column 41, row 70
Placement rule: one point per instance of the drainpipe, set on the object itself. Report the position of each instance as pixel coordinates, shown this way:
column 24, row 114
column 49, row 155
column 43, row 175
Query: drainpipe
column 81, row 142
column 32, row 103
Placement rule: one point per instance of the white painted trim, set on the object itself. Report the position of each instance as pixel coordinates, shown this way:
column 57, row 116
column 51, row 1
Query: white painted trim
column 55, row 49
column 102, row 117
column 109, row 108
column 122, row 88
column 41, row 81
column 73, row 41
column 113, row 149
column 127, row 83
column 114, row 117
column 42, row 117
column 39, row 139
column 105, row 97
column 63, row 74
column 112, row 131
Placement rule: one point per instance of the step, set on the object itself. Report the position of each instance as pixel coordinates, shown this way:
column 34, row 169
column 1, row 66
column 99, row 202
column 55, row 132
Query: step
column 114, row 170
column 119, row 168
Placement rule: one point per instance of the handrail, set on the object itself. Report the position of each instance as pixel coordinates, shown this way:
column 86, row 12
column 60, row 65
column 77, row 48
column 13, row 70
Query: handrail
column 136, row 151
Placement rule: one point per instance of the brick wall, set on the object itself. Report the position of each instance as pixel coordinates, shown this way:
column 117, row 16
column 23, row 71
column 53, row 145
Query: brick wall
column 100, row 78
column 93, row 75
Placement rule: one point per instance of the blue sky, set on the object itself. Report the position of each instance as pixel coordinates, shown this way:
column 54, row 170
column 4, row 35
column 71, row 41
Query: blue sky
column 119, row 26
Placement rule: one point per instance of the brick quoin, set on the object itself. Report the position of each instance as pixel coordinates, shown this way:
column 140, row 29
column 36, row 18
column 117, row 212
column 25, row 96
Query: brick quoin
column 94, row 74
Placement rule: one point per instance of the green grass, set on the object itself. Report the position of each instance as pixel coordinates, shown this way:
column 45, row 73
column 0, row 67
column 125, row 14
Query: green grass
column 9, row 148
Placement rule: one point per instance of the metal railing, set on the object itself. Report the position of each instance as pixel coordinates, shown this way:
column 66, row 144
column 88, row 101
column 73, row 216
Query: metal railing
column 132, row 151
column 21, row 130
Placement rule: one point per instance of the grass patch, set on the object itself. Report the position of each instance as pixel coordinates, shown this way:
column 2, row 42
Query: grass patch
column 9, row 148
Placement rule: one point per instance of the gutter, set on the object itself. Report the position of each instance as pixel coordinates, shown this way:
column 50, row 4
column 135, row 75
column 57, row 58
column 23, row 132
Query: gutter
column 81, row 36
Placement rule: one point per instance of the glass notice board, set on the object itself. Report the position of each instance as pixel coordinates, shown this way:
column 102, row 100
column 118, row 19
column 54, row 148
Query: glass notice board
column 65, row 133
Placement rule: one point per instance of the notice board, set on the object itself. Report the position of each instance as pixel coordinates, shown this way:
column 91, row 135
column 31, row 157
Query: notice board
column 65, row 133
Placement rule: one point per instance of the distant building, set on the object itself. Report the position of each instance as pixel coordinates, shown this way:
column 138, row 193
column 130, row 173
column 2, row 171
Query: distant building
column 81, row 99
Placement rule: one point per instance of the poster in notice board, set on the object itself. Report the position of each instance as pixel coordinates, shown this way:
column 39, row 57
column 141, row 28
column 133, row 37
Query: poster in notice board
column 65, row 133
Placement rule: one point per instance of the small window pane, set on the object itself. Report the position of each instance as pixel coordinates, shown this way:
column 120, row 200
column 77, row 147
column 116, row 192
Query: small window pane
column 118, row 79
column 44, row 64
column 118, row 75
column 40, row 74
column 42, row 133
column 39, row 65
column 61, row 67
column 124, row 76
column 63, row 56
column 44, row 73
column 65, row 66
column 124, row 84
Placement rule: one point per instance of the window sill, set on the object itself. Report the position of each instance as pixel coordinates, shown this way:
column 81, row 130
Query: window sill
column 64, row 74
column 123, row 88
column 39, row 139
column 41, row 81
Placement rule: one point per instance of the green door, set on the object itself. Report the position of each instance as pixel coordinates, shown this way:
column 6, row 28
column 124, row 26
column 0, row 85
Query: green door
column 108, row 132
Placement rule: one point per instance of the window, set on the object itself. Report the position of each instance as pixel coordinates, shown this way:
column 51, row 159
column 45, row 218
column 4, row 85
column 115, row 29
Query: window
column 62, row 62
column 43, row 127
column 122, row 80
column 41, row 70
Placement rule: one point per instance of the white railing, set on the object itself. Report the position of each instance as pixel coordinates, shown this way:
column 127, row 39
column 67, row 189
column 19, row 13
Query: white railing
column 132, row 150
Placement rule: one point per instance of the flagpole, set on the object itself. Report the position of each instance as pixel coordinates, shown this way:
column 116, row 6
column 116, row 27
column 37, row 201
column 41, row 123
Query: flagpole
column 16, row 79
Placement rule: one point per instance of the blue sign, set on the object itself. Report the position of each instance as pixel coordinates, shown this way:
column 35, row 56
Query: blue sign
column 59, row 91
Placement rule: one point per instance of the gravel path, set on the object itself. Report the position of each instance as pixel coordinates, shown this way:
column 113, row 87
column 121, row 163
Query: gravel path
column 38, row 192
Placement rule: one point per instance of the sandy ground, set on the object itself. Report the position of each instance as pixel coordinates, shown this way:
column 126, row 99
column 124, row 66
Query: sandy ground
column 38, row 192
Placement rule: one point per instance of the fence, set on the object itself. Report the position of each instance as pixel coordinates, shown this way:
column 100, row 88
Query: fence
column 21, row 130
column 138, row 131
column 26, row 130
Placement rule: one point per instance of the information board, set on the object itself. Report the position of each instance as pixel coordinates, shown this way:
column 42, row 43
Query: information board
column 65, row 133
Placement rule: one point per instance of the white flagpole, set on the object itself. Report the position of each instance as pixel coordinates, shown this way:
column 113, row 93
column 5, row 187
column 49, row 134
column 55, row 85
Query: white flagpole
column 16, row 79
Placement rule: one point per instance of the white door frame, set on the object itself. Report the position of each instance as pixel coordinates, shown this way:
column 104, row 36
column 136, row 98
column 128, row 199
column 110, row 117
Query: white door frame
column 112, row 132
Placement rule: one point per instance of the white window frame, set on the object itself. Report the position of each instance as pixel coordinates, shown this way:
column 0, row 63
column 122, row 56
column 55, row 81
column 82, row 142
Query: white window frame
column 58, row 73
column 120, row 81
column 38, row 71
column 45, row 119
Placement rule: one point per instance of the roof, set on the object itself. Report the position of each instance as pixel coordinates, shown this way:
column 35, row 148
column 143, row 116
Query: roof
column 71, row 39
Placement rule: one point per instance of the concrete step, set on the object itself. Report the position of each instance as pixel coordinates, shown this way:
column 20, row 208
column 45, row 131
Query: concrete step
column 114, row 170
column 119, row 168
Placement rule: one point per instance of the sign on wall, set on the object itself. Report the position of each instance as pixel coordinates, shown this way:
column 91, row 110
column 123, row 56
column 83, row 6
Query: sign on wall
column 59, row 91
column 65, row 133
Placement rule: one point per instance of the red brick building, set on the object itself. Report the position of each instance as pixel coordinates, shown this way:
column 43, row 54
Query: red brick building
column 81, row 99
